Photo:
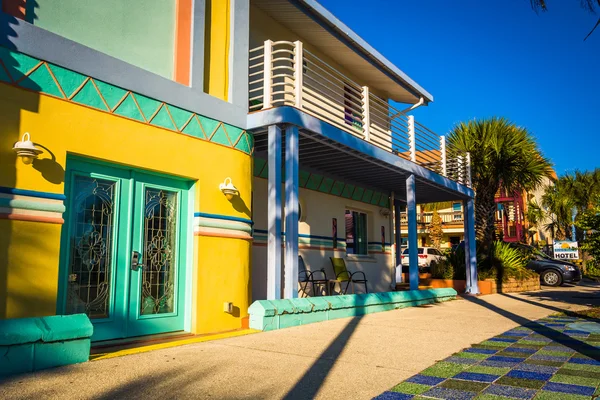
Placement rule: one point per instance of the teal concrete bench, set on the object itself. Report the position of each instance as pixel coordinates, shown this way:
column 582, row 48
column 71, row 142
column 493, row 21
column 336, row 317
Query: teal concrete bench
column 268, row 315
column 32, row 344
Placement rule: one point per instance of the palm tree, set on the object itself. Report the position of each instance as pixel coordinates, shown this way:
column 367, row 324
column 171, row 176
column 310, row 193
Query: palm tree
column 588, row 5
column 534, row 215
column 503, row 156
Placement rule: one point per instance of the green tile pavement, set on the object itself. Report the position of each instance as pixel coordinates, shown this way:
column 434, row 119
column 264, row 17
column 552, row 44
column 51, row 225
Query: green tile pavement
column 544, row 359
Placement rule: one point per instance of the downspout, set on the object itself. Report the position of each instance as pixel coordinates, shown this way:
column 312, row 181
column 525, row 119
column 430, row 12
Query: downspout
column 393, row 234
column 413, row 107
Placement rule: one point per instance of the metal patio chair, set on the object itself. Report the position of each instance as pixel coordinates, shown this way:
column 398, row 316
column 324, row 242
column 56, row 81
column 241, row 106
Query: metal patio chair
column 343, row 275
column 307, row 277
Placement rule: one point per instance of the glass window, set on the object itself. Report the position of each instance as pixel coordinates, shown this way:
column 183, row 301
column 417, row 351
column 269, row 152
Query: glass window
column 456, row 207
column 356, row 232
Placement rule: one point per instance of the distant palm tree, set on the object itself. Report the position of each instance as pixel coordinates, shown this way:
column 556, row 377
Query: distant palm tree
column 589, row 5
column 503, row 155
column 534, row 215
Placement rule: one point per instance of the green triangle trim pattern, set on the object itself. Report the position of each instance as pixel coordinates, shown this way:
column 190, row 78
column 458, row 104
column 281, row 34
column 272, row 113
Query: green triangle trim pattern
column 129, row 109
column 209, row 125
column 220, row 136
column 367, row 196
column 89, row 96
column 337, row 188
column 163, row 120
column 250, row 138
column 194, row 129
column 112, row 94
column 358, row 192
column 17, row 64
column 147, row 105
column 41, row 80
column 3, row 75
column 243, row 145
column 384, row 201
column 348, row 190
column 375, row 198
column 68, row 80
column 325, row 186
column 314, row 181
column 233, row 132
column 180, row 116
column 303, row 178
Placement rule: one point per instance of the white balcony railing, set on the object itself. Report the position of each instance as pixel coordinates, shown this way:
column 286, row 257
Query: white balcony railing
column 285, row 74
column 448, row 218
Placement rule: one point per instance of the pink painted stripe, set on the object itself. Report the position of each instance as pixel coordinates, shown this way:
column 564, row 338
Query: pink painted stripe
column 32, row 218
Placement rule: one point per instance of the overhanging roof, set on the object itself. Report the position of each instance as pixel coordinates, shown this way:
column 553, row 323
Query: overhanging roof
column 311, row 21
column 340, row 155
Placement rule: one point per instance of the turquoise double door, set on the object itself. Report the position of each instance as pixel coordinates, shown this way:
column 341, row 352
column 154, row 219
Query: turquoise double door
column 124, row 250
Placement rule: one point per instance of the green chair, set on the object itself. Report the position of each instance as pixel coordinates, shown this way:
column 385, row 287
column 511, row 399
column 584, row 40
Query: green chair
column 343, row 275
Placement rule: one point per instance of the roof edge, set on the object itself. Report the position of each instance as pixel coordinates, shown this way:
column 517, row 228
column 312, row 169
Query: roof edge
column 328, row 18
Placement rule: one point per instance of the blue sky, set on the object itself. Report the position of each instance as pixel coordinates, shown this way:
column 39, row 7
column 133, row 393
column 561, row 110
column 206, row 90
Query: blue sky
column 480, row 58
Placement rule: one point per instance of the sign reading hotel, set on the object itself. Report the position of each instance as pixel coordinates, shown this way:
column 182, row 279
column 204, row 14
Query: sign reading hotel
column 566, row 250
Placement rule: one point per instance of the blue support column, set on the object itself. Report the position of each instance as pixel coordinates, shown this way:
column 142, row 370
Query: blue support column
column 470, row 247
column 291, row 212
column 413, row 242
column 398, row 231
column 274, row 211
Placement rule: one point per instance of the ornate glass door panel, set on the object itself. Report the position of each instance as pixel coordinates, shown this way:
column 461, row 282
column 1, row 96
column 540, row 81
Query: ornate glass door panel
column 91, row 261
column 159, row 237
column 160, row 252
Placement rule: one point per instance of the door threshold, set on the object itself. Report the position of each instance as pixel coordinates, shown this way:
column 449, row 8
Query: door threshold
column 122, row 347
column 106, row 346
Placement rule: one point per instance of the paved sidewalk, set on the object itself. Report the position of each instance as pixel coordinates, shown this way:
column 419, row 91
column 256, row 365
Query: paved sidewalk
column 548, row 359
column 356, row 358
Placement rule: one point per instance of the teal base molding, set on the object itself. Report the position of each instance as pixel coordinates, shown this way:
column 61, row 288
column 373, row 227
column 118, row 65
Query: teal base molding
column 269, row 315
column 32, row 344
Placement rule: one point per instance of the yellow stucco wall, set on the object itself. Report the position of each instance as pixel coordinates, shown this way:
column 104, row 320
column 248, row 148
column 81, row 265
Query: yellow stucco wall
column 29, row 251
column 216, row 52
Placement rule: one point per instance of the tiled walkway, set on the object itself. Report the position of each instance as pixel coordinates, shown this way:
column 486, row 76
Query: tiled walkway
column 546, row 360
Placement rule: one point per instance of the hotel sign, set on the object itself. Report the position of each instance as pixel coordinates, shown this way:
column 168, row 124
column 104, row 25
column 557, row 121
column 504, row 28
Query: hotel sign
column 566, row 250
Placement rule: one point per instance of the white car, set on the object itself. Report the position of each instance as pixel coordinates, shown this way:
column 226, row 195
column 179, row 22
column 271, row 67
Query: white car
column 426, row 256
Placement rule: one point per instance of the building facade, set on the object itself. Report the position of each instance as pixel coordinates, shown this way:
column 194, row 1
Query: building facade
column 191, row 150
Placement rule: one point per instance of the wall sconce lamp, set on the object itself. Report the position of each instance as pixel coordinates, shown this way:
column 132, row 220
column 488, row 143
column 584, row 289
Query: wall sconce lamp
column 26, row 149
column 228, row 189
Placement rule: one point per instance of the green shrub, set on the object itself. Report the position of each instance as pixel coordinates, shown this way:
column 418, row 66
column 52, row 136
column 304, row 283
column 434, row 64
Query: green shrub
column 504, row 262
column 441, row 269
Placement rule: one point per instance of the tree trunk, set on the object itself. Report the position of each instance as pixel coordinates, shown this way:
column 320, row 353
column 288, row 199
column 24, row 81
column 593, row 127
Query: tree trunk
column 485, row 210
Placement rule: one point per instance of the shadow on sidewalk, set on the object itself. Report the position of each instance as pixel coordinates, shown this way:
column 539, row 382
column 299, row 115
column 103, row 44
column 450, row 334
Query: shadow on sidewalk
column 552, row 334
column 309, row 385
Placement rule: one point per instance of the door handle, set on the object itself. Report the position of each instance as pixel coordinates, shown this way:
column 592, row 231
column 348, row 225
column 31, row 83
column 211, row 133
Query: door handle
column 135, row 261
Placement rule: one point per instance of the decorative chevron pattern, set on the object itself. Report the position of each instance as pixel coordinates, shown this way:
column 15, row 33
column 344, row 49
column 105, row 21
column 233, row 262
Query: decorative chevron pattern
column 29, row 73
column 323, row 184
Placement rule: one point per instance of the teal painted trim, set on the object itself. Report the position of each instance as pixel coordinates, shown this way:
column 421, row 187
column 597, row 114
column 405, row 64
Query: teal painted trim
column 223, row 217
column 32, row 193
column 323, row 184
column 224, row 224
column 268, row 315
column 31, row 344
column 32, row 205
column 90, row 96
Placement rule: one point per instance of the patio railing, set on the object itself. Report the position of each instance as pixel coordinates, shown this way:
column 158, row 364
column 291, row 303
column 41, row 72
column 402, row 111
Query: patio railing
column 448, row 218
column 285, row 74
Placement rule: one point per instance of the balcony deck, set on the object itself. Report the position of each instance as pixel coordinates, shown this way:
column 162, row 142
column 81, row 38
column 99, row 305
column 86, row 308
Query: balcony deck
column 284, row 74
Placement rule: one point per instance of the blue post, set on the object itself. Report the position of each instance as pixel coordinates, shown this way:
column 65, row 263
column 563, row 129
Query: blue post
column 413, row 243
column 398, row 228
column 274, row 214
column 291, row 212
column 470, row 247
